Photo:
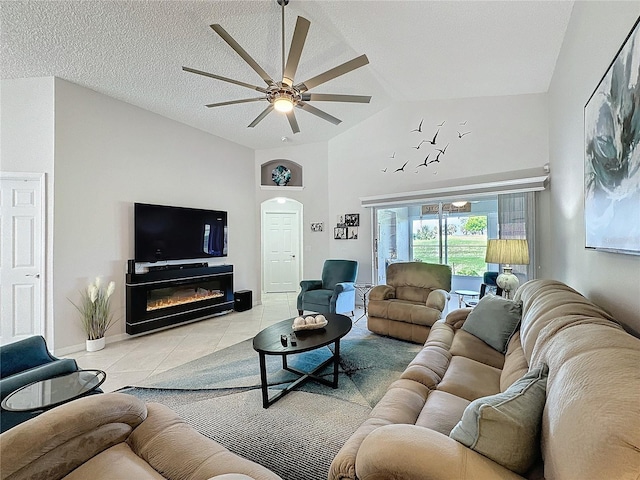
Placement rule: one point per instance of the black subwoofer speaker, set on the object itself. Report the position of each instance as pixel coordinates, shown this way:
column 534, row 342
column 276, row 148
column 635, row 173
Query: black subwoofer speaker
column 243, row 300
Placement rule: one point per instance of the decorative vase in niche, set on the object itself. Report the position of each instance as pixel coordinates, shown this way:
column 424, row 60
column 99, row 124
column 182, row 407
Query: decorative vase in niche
column 95, row 345
column 281, row 175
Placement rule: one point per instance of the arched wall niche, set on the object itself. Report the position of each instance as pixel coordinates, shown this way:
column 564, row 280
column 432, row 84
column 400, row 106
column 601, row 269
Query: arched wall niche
column 266, row 170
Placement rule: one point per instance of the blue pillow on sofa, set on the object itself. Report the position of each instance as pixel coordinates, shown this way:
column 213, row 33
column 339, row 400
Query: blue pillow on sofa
column 494, row 321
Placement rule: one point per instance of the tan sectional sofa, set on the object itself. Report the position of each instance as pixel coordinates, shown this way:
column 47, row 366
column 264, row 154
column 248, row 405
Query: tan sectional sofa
column 590, row 425
column 117, row 436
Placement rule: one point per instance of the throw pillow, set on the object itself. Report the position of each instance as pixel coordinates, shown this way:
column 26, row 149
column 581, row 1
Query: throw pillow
column 494, row 321
column 506, row 427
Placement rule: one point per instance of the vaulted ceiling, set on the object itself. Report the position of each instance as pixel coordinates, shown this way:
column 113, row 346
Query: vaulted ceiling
column 134, row 51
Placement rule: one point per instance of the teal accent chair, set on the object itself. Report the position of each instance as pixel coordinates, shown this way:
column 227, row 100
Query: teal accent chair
column 335, row 293
column 24, row 362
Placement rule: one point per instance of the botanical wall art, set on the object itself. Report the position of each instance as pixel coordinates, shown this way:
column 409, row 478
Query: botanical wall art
column 612, row 154
column 317, row 226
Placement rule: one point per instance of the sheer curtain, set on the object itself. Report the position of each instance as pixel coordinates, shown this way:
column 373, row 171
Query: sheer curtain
column 517, row 219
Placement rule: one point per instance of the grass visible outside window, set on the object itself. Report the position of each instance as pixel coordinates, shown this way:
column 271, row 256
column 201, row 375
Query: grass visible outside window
column 465, row 253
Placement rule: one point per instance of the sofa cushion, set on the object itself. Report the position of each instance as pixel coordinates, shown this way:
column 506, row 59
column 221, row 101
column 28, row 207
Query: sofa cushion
column 442, row 411
column 467, row 345
column 494, row 321
column 469, row 379
column 119, row 461
column 506, row 427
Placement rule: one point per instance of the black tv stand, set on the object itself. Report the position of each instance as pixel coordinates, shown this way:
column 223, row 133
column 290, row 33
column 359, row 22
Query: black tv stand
column 163, row 297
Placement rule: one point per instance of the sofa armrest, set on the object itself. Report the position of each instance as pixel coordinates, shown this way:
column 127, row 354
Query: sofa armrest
column 382, row 292
column 456, row 317
column 35, row 374
column 438, row 299
column 310, row 285
column 410, row 452
column 164, row 437
column 59, row 440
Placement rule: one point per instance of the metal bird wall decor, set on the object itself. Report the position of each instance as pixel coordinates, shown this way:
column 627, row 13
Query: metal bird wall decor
column 438, row 153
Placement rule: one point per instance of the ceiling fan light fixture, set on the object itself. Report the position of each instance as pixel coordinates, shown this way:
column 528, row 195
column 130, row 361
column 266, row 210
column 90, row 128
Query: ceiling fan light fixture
column 459, row 204
column 283, row 103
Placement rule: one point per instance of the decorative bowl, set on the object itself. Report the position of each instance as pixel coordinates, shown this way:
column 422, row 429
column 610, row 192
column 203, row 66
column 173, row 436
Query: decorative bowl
column 310, row 326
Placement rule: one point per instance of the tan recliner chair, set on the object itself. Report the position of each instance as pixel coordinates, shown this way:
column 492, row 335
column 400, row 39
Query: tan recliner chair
column 117, row 436
column 412, row 301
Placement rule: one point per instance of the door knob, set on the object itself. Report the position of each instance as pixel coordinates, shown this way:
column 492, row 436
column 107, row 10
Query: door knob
column 36, row 275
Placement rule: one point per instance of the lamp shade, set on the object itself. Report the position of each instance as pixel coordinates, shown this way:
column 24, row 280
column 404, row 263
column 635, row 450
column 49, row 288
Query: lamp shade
column 507, row 251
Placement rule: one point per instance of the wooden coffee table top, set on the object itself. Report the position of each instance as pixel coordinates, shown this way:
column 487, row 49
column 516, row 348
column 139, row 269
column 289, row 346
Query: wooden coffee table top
column 268, row 340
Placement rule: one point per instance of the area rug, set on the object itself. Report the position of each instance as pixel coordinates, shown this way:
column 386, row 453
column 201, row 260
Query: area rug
column 298, row 436
column 368, row 364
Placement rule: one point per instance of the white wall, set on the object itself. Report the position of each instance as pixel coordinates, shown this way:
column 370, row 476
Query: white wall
column 110, row 154
column 313, row 196
column 507, row 134
column 594, row 35
column 26, row 145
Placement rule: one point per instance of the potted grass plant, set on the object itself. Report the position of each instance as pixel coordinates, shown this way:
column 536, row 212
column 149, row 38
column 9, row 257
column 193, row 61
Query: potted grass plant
column 95, row 313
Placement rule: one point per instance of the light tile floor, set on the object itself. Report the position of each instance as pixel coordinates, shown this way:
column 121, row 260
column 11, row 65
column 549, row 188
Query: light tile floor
column 136, row 358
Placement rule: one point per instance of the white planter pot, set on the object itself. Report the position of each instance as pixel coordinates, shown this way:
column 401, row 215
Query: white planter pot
column 95, row 345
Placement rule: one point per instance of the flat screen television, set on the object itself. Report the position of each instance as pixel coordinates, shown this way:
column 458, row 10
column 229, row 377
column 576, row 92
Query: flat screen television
column 177, row 233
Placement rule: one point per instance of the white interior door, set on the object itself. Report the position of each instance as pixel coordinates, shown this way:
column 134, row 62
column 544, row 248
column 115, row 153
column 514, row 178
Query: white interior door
column 21, row 257
column 281, row 252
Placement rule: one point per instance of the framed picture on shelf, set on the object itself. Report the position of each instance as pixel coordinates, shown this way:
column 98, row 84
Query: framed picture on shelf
column 317, row 226
column 340, row 233
column 352, row 219
column 611, row 162
column 352, row 233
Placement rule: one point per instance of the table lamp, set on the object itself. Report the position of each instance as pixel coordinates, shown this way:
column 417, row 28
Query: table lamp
column 508, row 252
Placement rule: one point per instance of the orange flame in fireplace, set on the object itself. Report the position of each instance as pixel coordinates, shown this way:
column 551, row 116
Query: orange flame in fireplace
column 183, row 299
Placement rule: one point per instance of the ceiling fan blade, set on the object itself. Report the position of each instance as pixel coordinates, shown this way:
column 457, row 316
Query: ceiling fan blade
column 225, row 79
column 295, row 51
column 241, row 51
column 259, row 118
column 346, row 67
column 319, row 113
column 328, row 97
column 233, row 102
column 291, row 116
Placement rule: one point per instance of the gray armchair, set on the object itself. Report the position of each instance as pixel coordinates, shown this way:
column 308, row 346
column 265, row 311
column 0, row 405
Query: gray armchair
column 334, row 293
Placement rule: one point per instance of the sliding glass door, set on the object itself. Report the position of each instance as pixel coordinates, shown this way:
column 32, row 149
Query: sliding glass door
column 450, row 233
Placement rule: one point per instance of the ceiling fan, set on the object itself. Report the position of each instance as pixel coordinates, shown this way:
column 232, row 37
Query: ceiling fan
column 284, row 95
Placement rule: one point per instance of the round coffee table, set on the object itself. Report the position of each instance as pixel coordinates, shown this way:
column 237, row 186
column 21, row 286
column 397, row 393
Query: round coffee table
column 270, row 342
column 55, row 391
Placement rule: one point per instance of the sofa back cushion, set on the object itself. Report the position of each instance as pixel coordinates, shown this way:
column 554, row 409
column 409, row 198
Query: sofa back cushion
column 414, row 281
column 591, row 421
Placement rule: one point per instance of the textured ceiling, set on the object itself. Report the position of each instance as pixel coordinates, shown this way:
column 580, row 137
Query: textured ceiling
column 418, row 50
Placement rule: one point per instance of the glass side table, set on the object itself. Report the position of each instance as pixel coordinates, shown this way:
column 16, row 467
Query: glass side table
column 55, row 391
column 364, row 289
column 466, row 293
